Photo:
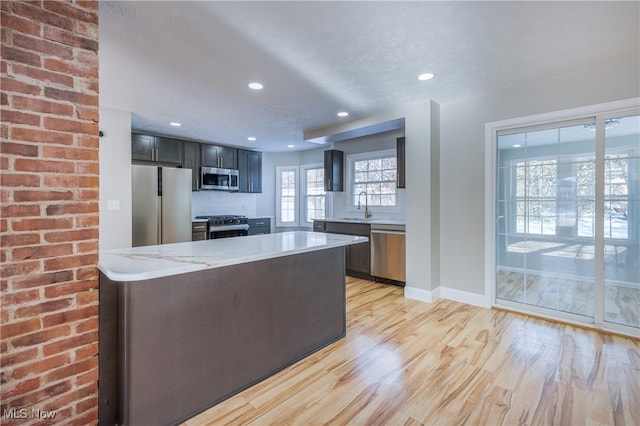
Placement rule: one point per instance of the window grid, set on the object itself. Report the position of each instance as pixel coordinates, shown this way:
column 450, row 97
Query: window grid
column 376, row 177
column 314, row 194
column 288, row 196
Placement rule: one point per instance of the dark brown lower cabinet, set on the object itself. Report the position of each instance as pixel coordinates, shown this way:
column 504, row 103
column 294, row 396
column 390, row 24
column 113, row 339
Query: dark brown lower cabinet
column 358, row 256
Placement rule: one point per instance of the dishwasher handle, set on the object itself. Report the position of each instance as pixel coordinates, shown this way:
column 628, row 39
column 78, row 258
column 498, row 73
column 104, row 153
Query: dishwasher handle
column 384, row 231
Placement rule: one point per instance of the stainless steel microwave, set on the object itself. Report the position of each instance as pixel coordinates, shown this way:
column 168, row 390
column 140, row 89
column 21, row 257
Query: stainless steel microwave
column 220, row 179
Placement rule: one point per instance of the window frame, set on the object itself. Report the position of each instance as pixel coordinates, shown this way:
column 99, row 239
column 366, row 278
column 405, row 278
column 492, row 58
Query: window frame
column 278, row 201
column 304, row 195
column 350, row 181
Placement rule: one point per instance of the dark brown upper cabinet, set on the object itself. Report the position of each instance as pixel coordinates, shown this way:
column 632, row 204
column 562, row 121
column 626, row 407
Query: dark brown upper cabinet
column 156, row 149
column 219, row 156
column 250, row 171
column 400, row 161
column 333, row 170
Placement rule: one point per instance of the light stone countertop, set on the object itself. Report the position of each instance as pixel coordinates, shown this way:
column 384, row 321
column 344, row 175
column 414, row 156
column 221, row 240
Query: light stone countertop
column 143, row 263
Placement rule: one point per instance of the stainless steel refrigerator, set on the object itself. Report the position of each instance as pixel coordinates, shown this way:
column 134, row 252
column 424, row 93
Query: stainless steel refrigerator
column 161, row 204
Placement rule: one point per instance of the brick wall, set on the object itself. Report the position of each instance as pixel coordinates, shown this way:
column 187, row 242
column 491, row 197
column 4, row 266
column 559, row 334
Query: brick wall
column 49, row 215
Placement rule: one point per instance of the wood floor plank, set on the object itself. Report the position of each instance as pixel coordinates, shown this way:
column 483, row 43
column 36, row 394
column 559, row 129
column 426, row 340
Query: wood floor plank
column 405, row 362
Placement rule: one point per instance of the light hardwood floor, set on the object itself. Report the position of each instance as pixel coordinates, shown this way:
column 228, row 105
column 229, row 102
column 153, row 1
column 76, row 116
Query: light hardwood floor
column 405, row 362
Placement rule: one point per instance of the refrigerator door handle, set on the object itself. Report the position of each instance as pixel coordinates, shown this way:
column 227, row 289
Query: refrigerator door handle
column 159, row 223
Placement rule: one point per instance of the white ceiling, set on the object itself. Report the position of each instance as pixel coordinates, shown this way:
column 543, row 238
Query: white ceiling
column 191, row 61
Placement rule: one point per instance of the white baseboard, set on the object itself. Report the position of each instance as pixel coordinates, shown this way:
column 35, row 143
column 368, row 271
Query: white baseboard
column 421, row 294
column 431, row 296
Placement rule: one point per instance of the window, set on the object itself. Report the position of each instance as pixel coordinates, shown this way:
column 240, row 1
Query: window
column 314, row 194
column 286, row 196
column 374, row 174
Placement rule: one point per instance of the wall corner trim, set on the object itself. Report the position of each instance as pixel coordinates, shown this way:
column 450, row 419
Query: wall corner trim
column 421, row 294
column 447, row 293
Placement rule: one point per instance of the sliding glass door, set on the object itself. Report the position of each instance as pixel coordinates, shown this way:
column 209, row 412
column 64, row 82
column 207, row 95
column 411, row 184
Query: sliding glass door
column 568, row 220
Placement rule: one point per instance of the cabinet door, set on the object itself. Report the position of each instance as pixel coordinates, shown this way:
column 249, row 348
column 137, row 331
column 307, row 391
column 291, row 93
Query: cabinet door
column 142, row 147
column 255, row 168
column 243, row 171
column 358, row 259
column 228, row 157
column 333, row 170
column 192, row 161
column 168, row 150
column 209, row 155
column 400, row 154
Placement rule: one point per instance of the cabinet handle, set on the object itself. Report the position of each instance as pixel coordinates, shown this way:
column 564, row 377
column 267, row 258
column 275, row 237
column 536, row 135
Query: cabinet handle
column 221, row 162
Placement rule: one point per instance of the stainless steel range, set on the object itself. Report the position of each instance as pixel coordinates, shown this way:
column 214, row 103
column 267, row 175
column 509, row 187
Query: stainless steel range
column 225, row 226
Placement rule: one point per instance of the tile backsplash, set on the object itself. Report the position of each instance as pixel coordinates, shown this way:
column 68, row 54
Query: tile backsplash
column 205, row 203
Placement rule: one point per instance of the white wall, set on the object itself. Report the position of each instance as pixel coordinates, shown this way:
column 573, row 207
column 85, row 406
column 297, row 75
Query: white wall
column 115, row 179
column 462, row 167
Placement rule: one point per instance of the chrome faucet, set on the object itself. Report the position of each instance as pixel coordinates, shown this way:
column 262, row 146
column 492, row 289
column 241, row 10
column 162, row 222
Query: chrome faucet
column 367, row 213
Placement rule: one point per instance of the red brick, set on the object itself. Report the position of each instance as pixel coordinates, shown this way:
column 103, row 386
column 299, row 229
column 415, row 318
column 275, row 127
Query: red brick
column 75, row 208
column 42, row 224
column 87, row 297
column 53, row 151
column 87, row 405
column 36, row 14
column 87, row 195
column 25, row 150
column 88, row 246
column 87, row 29
column 42, row 279
column 71, row 68
column 70, row 39
column 18, row 180
column 71, row 370
column 34, row 135
column 90, row 377
column 41, row 365
column 10, row 84
column 12, row 54
column 69, row 343
column 70, row 316
column 83, row 168
column 71, row 11
column 69, row 262
column 76, row 235
column 71, row 96
column 70, row 181
column 20, row 210
column 89, row 274
column 90, row 324
column 18, row 357
column 19, row 117
column 87, row 141
column 17, row 240
column 43, row 166
column 41, row 252
column 41, row 105
column 20, row 24
column 88, row 418
column 20, row 328
column 88, row 351
column 87, row 114
column 20, row 388
column 68, row 288
column 19, row 196
column 41, row 336
column 30, row 399
column 64, row 125
column 21, row 269
column 18, row 298
column 87, row 221
column 43, row 75
column 43, row 46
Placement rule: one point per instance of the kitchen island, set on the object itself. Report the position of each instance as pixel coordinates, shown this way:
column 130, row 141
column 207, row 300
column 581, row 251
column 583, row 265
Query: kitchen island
column 184, row 326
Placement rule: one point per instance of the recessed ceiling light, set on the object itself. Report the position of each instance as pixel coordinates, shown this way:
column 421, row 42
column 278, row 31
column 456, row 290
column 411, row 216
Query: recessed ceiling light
column 291, row 146
column 517, row 145
column 255, row 86
column 343, row 114
column 426, row 76
column 251, row 138
column 175, row 124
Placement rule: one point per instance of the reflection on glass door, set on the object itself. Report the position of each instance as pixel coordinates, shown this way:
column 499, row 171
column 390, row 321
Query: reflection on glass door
column 622, row 221
column 556, row 253
column 545, row 241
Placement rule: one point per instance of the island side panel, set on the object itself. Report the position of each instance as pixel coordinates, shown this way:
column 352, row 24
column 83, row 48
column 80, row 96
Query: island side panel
column 198, row 338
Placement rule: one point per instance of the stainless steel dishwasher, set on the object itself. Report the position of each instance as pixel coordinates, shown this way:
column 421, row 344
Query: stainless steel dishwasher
column 388, row 251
